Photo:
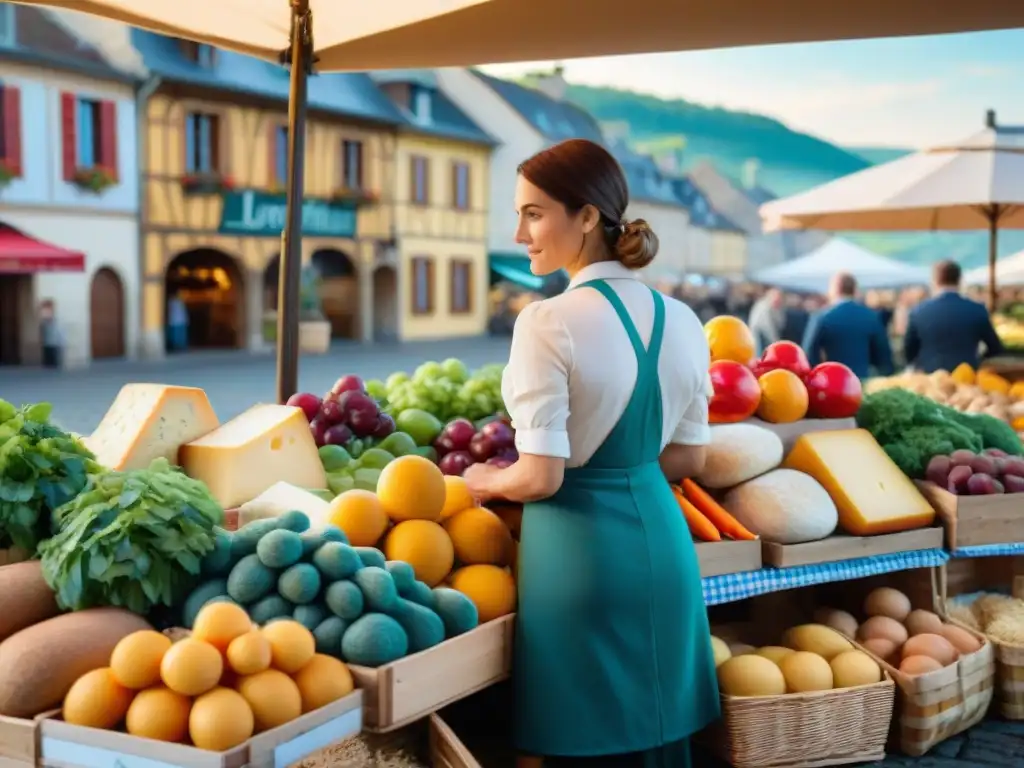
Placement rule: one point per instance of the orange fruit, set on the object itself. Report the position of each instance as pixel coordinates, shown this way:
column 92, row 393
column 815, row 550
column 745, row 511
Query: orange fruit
column 360, row 515
column 97, row 700
column 424, row 545
column 273, row 697
column 159, row 713
column 457, row 496
column 249, row 653
column 412, row 488
column 135, row 662
column 191, row 667
column 323, row 680
column 783, row 397
column 730, row 339
column 492, row 589
column 219, row 623
column 291, row 645
column 480, row 536
column 220, row 720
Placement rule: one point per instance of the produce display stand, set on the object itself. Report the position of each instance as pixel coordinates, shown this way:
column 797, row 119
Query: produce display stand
column 446, row 748
column 841, row 548
column 416, row 686
column 717, row 558
column 789, row 432
column 71, row 746
column 19, row 740
column 975, row 520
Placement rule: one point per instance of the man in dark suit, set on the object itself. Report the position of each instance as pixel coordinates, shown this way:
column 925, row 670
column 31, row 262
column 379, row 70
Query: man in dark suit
column 848, row 332
column 948, row 329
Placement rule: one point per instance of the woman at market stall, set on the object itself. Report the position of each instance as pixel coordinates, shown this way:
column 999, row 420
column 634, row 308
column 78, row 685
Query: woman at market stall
column 607, row 385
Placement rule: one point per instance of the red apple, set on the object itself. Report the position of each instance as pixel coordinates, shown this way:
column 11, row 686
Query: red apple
column 833, row 392
column 737, row 392
column 783, row 354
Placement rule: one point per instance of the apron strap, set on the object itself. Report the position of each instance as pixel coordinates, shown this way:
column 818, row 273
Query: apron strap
column 658, row 332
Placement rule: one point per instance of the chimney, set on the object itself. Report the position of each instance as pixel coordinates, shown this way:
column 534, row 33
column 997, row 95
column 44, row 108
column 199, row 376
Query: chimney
column 552, row 84
column 750, row 170
column 990, row 118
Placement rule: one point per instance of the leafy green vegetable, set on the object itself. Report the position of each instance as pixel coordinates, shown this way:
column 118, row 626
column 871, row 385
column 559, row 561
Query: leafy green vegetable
column 994, row 433
column 131, row 539
column 41, row 468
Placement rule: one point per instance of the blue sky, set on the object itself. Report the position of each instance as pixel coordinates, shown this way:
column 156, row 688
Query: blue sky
column 903, row 92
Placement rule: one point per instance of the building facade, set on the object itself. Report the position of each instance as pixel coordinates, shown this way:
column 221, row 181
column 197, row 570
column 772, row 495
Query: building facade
column 68, row 193
column 441, row 197
column 215, row 169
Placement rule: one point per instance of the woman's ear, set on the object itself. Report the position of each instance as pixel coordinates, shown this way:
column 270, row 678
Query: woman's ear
column 590, row 218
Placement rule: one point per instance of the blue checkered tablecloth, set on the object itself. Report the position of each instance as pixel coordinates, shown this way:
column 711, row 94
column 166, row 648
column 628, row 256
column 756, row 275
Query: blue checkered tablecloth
column 731, row 587
column 989, row 550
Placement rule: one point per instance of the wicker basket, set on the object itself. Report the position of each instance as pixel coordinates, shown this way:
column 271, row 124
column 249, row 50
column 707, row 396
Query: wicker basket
column 1010, row 675
column 938, row 705
column 804, row 730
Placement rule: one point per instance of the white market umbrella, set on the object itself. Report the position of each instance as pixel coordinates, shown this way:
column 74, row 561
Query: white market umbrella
column 812, row 273
column 332, row 35
column 977, row 183
column 1009, row 272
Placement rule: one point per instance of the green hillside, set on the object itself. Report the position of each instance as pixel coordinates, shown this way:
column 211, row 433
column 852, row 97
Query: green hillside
column 788, row 161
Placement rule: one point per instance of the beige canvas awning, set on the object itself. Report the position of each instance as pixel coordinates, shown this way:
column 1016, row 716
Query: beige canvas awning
column 391, row 34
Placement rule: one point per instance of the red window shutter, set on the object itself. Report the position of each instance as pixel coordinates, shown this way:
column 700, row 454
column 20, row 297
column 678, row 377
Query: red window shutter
column 12, row 129
column 68, row 102
column 108, row 137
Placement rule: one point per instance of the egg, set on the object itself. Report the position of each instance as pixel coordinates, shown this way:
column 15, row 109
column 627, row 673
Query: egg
column 883, row 648
column 886, row 601
column 920, row 622
column 840, row 621
column 805, row 672
column 740, row 649
column 962, row 640
column 774, row 653
column 750, row 675
column 720, row 651
column 884, row 627
column 919, row 665
column 853, row 668
column 935, row 646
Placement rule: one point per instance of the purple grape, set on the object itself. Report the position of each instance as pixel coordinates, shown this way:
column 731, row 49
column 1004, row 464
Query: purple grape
column 938, row 470
column 961, row 457
column 501, row 434
column 460, row 432
column 352, row 401
column 317, row 427
column 958, row 477
column 1013, row 483
column 444, row 445
column 350, row 383
column 385, row 426
column 481, row 447
column 984, row 465
column 330, row 411
column 455, row 463
column 339, row 434
column 308, row 402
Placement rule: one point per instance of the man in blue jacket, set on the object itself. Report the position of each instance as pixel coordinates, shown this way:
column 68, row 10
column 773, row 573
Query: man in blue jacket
column 948, row 329
column 848, row 332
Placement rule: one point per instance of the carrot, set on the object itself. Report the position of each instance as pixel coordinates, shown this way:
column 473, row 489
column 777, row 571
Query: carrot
column 715, row 512
column 699, row 525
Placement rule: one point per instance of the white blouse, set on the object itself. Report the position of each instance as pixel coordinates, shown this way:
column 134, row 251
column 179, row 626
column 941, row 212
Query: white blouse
column 572, row 369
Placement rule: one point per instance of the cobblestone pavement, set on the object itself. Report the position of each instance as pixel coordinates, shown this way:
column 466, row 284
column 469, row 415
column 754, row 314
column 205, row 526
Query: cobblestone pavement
column 233, row 380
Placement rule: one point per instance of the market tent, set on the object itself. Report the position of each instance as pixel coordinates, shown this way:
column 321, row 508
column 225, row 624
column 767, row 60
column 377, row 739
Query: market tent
column 430, row 33
column 24, row 255
column 977, row 183
column 1009, row 272
column 811, row 273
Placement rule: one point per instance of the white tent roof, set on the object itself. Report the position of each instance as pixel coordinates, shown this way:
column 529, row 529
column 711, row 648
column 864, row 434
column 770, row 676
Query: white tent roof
column 812, row 273
column 1009, row 272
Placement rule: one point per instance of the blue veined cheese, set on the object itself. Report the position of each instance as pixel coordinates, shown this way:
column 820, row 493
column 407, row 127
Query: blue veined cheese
column 265, row 445
column 150, row 421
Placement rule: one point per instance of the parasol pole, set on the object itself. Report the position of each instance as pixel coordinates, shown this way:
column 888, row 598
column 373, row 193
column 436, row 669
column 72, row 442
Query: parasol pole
column 992, row 212
column 300, row 58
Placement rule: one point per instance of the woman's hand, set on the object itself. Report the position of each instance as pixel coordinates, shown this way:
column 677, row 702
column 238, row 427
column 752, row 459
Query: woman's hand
column 480, row 481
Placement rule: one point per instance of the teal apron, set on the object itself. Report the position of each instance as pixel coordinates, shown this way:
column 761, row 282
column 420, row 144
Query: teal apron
column 613, row 651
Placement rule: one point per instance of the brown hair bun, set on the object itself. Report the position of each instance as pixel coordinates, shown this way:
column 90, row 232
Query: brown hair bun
column 637, row 245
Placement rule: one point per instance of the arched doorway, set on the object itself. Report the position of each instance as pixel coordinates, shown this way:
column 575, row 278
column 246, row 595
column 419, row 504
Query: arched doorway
column 271, row 276
column 385, row 304
column 339, row 291
column 208, row 284
column 106, row 314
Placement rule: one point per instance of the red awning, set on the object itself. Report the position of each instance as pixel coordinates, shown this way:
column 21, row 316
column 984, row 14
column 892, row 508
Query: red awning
column 24, row 255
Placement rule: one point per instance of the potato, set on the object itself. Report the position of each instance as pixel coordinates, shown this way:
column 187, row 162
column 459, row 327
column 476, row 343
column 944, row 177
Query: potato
column 27, row 599
column 39, row 665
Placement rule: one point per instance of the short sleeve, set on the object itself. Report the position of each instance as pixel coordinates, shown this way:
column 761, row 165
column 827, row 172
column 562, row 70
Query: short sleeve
column 693, row 428
column 535, row 385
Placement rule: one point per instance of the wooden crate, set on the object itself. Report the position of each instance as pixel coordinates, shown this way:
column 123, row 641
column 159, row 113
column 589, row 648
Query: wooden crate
column 838, row 548
column 73, row 746
column 446, row 748
column 409, row 689
column 720, row 557
column 972, row 521
column 19, row 740
column 790, row 432
column 12, row 555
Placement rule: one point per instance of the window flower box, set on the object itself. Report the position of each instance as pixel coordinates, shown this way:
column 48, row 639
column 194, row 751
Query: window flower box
column 206, row 183
column 357, row 196
column 7, row 174
column 94, row 180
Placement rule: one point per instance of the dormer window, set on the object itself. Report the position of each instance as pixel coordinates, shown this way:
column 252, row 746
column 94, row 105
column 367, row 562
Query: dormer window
column 199, row 53
column 421, row 105
column 6, row 25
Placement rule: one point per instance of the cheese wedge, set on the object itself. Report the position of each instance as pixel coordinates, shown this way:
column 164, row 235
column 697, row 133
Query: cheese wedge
column 284, row 497
column 150, row 421
column 871, row 493
column 265, row 445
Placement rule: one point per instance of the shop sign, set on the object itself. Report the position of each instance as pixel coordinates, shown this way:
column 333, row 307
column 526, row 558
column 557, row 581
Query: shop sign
column 262, row 214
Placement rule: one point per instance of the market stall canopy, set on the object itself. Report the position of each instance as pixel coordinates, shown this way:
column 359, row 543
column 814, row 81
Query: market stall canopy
column 393, row 34
column 1009, row 272
column 950, row 187
column 24, row 255
column 812, row 273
